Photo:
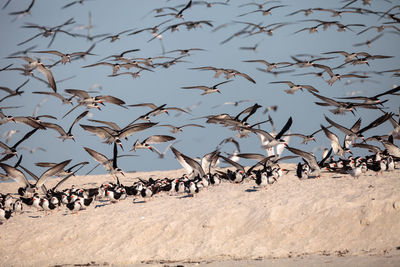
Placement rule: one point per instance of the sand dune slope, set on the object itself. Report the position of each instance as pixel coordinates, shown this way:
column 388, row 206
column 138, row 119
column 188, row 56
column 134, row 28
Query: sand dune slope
column 225, row 222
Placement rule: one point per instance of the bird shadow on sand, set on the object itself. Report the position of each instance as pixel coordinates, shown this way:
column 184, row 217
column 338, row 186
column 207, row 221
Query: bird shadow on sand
column 35, row 216
column 101, row 205
column 251, row 190
column 183, row 197
column 92, row 263
column 90, row 184
column 138, row 202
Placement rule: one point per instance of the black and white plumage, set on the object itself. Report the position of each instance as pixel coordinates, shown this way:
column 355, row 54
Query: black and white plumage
column 269, row 140
column 310, row 159
column 18, row 206
column 338, row 149
column 74, row 206
column 191, row 166
column 154, row 139
column 47, row 205
column 12, row 93
column 5, row 215
column 63, row 134
column 12, row 151
column 109, row 164
column 206, row 89
column 21, row 179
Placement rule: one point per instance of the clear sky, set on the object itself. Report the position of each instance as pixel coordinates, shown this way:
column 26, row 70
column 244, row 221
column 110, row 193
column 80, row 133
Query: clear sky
column 163, row 86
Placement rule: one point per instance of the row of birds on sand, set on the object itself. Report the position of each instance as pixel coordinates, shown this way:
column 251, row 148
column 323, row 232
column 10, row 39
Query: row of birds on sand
column 32, row 64
column 200, row 175
column 76, row 199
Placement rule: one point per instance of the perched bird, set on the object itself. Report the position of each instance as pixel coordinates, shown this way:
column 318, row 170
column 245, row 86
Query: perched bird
column 4, row 215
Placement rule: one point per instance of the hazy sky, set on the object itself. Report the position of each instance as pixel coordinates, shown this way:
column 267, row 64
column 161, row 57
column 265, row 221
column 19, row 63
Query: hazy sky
column 163, row 86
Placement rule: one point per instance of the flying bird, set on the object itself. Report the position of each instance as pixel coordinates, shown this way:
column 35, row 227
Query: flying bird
column 63, row 134
column 206, row 89
column 296, row 87
column 229, row 73
column 12, row 93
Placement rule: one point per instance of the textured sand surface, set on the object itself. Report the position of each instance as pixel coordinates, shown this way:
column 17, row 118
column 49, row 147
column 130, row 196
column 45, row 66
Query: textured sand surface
column 334, row 215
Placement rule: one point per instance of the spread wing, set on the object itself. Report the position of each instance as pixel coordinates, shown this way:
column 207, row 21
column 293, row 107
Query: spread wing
column 188, row 163
column 16, row 175
column 50, row 172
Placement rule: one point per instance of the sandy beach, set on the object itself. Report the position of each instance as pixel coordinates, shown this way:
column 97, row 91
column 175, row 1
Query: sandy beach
column 290, row 223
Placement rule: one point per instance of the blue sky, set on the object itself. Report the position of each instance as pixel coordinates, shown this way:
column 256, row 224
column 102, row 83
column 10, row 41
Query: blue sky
column 163, row 86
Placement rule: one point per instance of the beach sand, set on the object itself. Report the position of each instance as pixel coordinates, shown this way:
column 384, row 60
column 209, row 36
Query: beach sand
column 331, row 221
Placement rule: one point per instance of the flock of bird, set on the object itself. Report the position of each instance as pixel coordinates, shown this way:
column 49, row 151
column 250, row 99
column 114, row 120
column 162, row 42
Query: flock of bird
column 33, row 63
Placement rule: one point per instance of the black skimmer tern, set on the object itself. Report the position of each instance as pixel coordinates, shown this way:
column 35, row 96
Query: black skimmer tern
column 65, row 58
column 229, row 73
column 270, row 65
column 4, row 215
column 157, row 110
column 47, row 205
column 74, row 207
column 47, row 31
column 191, row 166
column 335, row 144
column 207, row 90
column 177, row 129
column 154, row 139
column 24, row 12
column 12, row 93
column 264, row 12
column 269, row 140
column 74, row 2
column 25, row 185
column 372, row 99
column 306, row 138
column 18, row 206
column 109, row 165
column 310, row 159
column 38, row 65
column 337, row 76
column 63, row 134
column 353, row 133
column 63, row 99
column 114, row 135
column 296, row 87
column 12, row 151
column 178, row 14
